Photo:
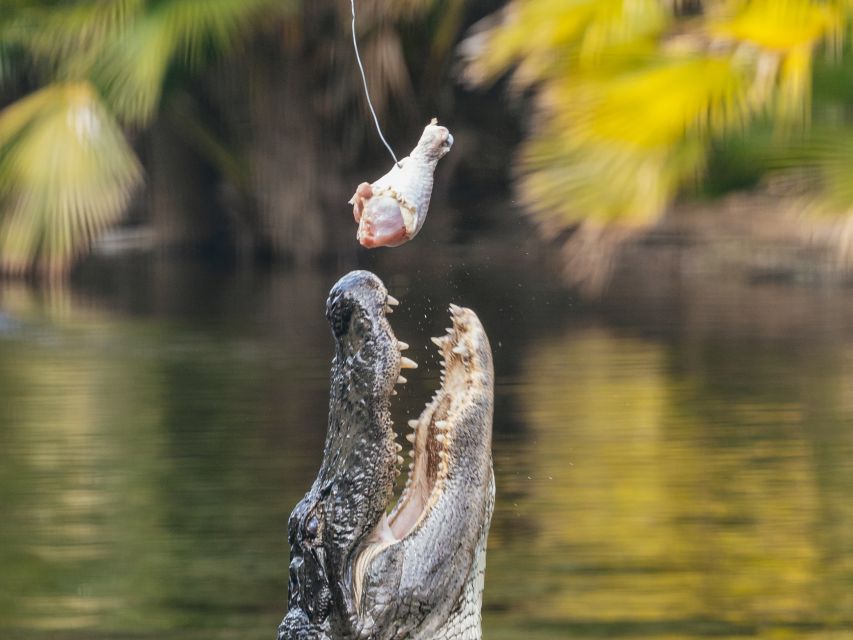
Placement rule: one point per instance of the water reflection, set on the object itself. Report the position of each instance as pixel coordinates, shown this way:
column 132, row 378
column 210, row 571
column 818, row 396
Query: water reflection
column 669, row 501
column 659, row 483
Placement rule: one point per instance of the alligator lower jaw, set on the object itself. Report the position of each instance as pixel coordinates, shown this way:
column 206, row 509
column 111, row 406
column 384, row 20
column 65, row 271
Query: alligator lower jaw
column 434, row 450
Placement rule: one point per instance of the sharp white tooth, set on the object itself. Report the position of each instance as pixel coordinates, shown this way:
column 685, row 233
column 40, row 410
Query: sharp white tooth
column 410, row 437
column 459, row 349
column 413, row 423
column 393, row 392
column 400, row 460
column 412, row 453
column 440, row 437
column 388, row 310
column 449, row 330
column 398, row 447
column 411, row 466
column 441, row 424
column 443, row 363
column 438, row 342
column 406, row 363
column 392, row 300
column 455, row 308
column 401, row 380
column 402, row 346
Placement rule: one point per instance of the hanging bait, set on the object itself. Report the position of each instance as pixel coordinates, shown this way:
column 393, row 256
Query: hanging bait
column 392, row 210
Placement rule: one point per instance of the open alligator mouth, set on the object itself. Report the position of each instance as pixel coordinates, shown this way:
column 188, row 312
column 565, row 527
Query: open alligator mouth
column 434, row 434
column 356, row 569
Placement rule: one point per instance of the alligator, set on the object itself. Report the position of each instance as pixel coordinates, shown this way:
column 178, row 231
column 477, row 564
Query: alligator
column 416, row 573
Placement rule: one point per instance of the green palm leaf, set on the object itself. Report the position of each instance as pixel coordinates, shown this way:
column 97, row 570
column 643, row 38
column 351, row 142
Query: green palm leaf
column 66, row 173
column 65, row 34
column 133, row 68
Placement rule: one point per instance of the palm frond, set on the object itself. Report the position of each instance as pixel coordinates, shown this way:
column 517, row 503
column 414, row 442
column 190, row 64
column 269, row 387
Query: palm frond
column 66, row 173
column 601, row 182
column 653, row 105
column 74, row 28
column 132, row 70
column 631, row 94
column 618, row 147
column 776, row 25
column 537, row 37
column 786, row 31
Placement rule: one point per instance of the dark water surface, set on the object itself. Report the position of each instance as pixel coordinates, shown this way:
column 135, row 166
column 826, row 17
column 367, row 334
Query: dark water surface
column 676, row 467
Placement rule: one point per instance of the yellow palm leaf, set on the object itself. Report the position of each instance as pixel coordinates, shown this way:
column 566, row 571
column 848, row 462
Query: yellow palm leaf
column 539, row 35
column 778, row 25
column 654, row 105
column 631, row 94
column 67, row 173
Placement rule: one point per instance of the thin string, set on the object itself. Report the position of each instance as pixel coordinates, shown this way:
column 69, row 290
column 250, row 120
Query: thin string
column 366, row 92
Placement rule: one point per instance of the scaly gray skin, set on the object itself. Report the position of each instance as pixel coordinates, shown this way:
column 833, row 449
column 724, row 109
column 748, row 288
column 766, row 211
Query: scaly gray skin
column 417, row 573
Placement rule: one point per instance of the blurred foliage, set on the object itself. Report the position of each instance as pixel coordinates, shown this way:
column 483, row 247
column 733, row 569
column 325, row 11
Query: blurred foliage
column 66, row 167
column 83, row 79
column 66, row 172
column 631, row 94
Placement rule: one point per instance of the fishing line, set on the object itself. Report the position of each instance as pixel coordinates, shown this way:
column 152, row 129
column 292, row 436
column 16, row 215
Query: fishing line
column 366, row 92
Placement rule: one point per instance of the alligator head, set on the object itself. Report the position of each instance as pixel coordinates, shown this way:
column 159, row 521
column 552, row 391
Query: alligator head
column 357, row 571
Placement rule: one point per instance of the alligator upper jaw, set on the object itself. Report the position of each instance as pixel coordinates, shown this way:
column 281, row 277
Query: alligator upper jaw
column 436, row 438
column 447, row 496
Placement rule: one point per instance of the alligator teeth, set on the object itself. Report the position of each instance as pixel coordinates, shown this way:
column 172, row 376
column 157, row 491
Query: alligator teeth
column 400, row 460
column 413, row 423
column 459, row 350
column 388, row 310
column 393, row 392
column 455, row 309
column 440, row 437
column 406, row 363
column 410, row 437
column 441, row 424
column 449, row 330
column 438, row 342
column 398, row 447
column 411, row 466
column 401, row 380
column 402, row 346
column 392, row 300
column 412, row 453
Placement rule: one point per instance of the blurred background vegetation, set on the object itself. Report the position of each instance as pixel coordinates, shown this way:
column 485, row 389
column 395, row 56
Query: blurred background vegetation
column 674, row 454
column 236, row 128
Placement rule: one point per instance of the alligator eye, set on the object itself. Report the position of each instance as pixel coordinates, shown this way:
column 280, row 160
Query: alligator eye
column 312, row 527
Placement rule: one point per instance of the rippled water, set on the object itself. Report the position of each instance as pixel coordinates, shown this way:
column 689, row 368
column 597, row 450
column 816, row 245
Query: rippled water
column 673, row 468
